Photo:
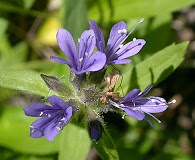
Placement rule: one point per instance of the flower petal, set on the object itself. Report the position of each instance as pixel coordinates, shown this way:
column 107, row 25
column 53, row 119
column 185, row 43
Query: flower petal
column 36, row 109
column 117, row 37
column 68, row 114
column 60, row 60
column 120, row 61
column 67, row 45
column 146, row 91
column 57, row 102
column 130, row 49
column 131, row 95
column 52, row 130
column 100, row 43
column 154, row 105
column 95, row 62
column 37, row 127
column 117, row 27
column 134, row 113
column 87, row 43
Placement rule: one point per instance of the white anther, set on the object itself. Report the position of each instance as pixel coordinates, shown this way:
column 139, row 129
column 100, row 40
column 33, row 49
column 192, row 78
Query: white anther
column 63, row 119
column 81, row 59
column 162, row 100
column 114, row 103
column 133, row 101
column 41, row 113
column 173, row 101
column 121, row 105
column 134, row 39
column 49, row 115
column 141, row 20
column 79, row 40
column 59, row 128
column 121, row 46
column 91, row 36
column 122, row 31
column 139, row 92
column 33, row 131
column 153, row 100
column 32, row 126
column 86, row 54
column 123, row 117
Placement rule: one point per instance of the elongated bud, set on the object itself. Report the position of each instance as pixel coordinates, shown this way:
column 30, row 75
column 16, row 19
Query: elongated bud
column 55, row 84
column 95, row 129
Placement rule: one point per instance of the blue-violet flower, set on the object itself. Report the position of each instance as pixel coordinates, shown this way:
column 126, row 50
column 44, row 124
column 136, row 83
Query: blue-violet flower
column 136, row 106
column 115, row 52
column 95, row 129
column 81, row 59
column 53, row 118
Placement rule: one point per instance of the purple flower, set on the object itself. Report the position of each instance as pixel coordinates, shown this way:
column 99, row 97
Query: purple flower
column 81, row 59
column 115, row 52
column 136, row 106
column 53, row 118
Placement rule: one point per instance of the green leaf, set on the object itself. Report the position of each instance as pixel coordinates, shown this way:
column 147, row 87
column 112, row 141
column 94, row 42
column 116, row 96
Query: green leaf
column 12, row 56
column 75, row 143
column 106, row 147
column 14, row 129
column 125, row 9
column 75, row 17
column 28, row 3
column 150, row 30
column 11, row 8
column 4, row 25
column 23, row 80
column 154, row 69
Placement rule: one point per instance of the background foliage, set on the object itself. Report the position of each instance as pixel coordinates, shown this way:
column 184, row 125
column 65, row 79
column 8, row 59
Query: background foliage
column 27, row 39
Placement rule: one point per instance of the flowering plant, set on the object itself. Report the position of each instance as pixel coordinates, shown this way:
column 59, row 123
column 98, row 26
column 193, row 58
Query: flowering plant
column 101, row 80
column 87, row 97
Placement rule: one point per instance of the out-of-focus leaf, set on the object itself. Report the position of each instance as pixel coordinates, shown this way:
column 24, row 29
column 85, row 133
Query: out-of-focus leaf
column 11, row 57
column 4, row 25
column 75, row 17
column 106, row 147
column 126, row 9
column 28, row 3
column 18, row 54
column 75, row 143
column 5, row 94
column 154, row 69
column 37, row 65
column 10, row 8
column 47, row 32
column 14, row 129
column 23, row 80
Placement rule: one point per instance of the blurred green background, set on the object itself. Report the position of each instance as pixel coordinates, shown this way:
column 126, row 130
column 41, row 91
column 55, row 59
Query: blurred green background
column 27, row 39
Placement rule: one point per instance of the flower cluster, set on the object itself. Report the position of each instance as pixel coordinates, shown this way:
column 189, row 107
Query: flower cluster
column 88, row 60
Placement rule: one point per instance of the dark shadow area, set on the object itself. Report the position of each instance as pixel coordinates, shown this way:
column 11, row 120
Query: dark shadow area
column 163, row 75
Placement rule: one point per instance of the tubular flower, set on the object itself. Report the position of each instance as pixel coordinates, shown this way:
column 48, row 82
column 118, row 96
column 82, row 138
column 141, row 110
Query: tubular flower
column 116, row 52
column 95, row 129
column 136, row 106
column 53, row 118
column 81, row 59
